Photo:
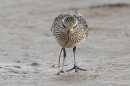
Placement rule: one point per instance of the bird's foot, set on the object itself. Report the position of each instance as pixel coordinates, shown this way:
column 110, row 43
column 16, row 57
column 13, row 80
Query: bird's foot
column 62, row 71
column 76, row 69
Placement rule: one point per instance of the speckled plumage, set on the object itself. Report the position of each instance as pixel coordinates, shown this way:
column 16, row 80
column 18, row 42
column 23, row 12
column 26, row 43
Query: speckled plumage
column 69, row 30
column 78, row 34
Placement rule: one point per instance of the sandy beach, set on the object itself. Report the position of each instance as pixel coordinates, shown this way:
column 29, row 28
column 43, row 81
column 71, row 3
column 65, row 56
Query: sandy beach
column 29, row 52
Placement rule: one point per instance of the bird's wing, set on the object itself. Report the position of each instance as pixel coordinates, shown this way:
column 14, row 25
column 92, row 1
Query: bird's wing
column 76, row 13
column 81, row 22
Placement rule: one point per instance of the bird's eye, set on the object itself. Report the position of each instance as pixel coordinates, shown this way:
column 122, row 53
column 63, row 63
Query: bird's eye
column 75, row 26
column 64, row 26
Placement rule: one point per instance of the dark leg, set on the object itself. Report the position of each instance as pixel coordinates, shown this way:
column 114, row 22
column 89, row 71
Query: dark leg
column 64, row 55
column 75, row 66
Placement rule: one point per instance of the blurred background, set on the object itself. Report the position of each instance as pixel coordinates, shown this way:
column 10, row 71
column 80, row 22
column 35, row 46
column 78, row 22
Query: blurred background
column 27, row 45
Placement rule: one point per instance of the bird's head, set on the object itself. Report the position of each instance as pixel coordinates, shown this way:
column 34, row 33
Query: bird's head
column 69, row 23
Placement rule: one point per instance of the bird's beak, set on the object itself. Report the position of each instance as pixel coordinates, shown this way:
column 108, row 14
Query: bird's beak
column 68, row 34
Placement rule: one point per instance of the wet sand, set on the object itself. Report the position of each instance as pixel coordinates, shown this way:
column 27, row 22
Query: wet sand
column 29, row 52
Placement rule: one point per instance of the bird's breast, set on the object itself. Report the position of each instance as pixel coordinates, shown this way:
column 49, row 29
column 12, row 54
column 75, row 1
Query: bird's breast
column 71, row 43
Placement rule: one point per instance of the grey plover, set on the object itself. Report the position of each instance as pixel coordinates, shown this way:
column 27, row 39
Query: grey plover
column 71, row 28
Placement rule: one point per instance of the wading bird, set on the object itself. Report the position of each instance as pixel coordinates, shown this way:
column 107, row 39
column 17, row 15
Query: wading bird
column 69, row 30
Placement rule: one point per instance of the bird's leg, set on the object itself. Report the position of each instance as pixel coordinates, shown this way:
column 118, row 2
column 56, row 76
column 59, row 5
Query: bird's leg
column 75, row 66
column 64, row 55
